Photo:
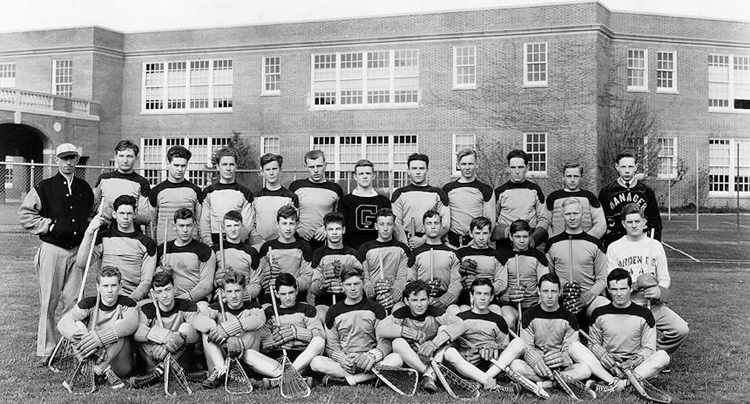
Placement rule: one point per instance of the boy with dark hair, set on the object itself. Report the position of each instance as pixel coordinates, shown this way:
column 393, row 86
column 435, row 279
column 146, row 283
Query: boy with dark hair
column 124, row 181
column 240, row 257
column 479, row 261
column 359, row 207
column 593, row 220
column 269, row 199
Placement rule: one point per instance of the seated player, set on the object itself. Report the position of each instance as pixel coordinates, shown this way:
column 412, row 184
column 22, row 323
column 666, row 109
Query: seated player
column 328, row 264
column 180, row 326
column 301, row 334
column 239, row 331
column 418, row 331
column 486, row 337
column 240, row 257
column 385, row 284
column 626, row 331
column 109, row 341
column 290, row 255
column 645, row 260
column 352, row 347
column 478, row 260
column 436, row 264
column 191, row 263
column 524, row 269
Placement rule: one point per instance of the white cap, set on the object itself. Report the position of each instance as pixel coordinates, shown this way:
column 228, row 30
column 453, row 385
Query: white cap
column 66, row 150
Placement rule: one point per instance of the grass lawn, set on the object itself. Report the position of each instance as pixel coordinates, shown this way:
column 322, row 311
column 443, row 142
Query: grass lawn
column 710, row 368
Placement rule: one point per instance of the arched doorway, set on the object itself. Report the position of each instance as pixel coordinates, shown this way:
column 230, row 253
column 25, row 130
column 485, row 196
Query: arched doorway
column 19, row 144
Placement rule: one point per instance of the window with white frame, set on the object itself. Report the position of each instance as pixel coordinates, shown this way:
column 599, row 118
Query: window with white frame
column 461, row 141
column 535, row 146
column 723, row 162
column 352, row 80
column 270, row 144
column 464, row 67
column 154, row 150
column 7, row 75
column 535, row 64
column 271, row 75
column 666, row 72
column 200, row 85
column 62, row 75
column 667, row 157
column 637, row 73
column 728, row 82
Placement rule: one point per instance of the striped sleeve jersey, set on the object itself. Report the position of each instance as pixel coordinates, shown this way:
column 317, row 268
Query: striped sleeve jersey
column 119, row 320
column 351, row 328
column 581, row 256
column 315, row 200
column 134, row 254
column 294, row 258
column 430, row 323
column 183, row 311
column 521, row 200
column 359, row 217
column 241, row 322
column 645, row 256
column 624, row 332
column 394, row 256
column 193, row 266
column 413, row 201
column 488, row 329
column 592, row 214
column 302, row 316
column 468, row 200
column 524, row 269
column 442, row 263
column 324, row 259
column 166, row 198
column 544, row 330
column 241, row 258
column 218, row 199
column 111, row 185
column 490, row 265
column 266, row 205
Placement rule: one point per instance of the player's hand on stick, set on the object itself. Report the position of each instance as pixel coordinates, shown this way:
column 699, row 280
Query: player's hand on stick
column 336, row 287
column 468, row 267
column 541, row 369
column 515, row 293
column 426, row 351
column 89, row 344
column 348, row 363
column 571, row 290
column 217, row 334
column 434, row 287
column 364, row 362
column 413, row 335
column 385, row 300
column 574, row 305
column 489, row 352
column 383, row 286
column 632, row 363
column 416, row 242
column 274, row 268
column 554, row 359
column 174, row 342
column 235, row 346
column 159, row 352
column 320, row 234
column 467, row 280
column 288, row 333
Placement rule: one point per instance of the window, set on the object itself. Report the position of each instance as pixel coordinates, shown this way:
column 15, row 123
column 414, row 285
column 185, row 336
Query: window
column 637, row 74
column 7, row 75
column 666, row 70
column 63, row 78
column 271, row 76
column 188, row 86
column 461, row 141
column 154, row 161
column 535, row 145
column 535, row 64
column 667, row 157
column 151, row 159
column 270, row 144
column 388, row 78
column 464, row 67
column 728, row 82
column 722, row 160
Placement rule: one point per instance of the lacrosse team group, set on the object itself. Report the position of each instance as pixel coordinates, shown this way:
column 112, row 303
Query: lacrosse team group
column 459, row 286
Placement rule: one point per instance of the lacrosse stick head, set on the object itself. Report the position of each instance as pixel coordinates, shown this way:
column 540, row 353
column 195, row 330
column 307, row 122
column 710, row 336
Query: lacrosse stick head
column 646, row 389
column 235, row 379
column 63, row 358
column 401, row 380
column 292, row 384
column 522, row 380
column 81, row 379
column 175, row 381
column 572, row 387
column 455, row 385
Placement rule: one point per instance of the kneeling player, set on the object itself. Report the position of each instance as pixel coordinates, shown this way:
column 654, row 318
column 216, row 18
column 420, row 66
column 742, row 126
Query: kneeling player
column 109, row 340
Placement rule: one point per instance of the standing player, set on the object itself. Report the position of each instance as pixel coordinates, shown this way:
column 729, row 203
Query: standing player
column 317, row 197
column 240, row 257
column 124, row 181
column 468, row 198
column 645, row 260
column 226, row 195
column 360, row 207
column 479, row 261
column 174, row 193
column 519, row 199
column 124, row 247
column 269, row 199
column 412, row 201
column 627, row 188
column 592, row 218
column 109, row 338
column 191, row 263
column 58, row 211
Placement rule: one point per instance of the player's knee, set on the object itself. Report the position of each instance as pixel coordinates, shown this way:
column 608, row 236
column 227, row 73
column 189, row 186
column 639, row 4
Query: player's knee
column 451, row 355
column 317, row 345
column 317, row 364
column 401, row 346
column 519, row 365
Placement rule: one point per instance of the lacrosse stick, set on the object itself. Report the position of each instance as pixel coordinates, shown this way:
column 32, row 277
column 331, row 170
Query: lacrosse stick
column 174, row 376
column 518, row 284
column 650, row 251
column 572, row 387
column 235, row 378
column 292, row 384
column 455, row 385
column 82, row 379
column 380, row 259
column 412, row 228
column 522, row 380
column 166, row 230
column 401, row 380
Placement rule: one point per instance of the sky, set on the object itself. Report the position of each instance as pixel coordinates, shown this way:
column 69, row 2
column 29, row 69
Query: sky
column 158, row 15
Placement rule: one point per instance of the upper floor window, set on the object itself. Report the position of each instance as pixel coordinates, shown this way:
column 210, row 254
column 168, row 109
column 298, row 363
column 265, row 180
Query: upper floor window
column 464, row 67
column 637, row 70
column 271, row 75
column 352, row 80
column 728, row 82
column 535, row 64
column 666, row 72
column 194, row 86
column 535, row 145
column 63, row 78
column 7, row 75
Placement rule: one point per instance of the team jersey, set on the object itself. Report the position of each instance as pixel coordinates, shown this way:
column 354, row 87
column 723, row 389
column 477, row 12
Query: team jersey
column 351, row 329
column 111, row 185
column 323, row 260
column 543, row 331
column 315, row 200
column 294, row 258
column 489, row 329
column 166, row 198
column 394, row 255
column 266, row 205
column 182, row 311
column 411, row 202
column 624, row 332
column 133, row 253
column 119, row 320
column 614, row 196
column 524, row 269
column 193, row 266
column 439, row 262
column 645, row 256
column 359, row 217
column 468, row 200
column 302, row 316
column 240, row 258
column 490, row 265
column 433, row 321
column 520, row 200
column 218, row 199
column 580, row 256
column 238, row 322
column 592, row 215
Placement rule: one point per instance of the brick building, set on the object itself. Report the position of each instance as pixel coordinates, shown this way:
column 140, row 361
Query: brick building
column 384, row 87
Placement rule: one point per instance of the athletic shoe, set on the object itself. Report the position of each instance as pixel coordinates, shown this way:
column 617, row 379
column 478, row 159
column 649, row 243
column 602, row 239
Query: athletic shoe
column 146, row 380
column 214, row 380
column 42, row 362
column 113, row 380
column 510, row 388
column 196, row 377
column 603, row 389
column 329, row 381
column 667, row 369
column 428, row 384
